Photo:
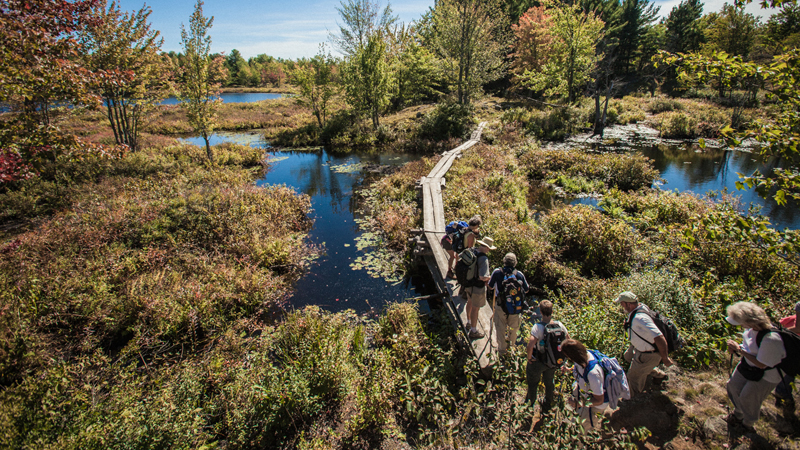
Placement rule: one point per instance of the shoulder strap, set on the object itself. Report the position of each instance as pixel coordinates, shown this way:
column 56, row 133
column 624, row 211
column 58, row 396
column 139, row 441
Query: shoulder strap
column 629, row 327
column 761, row 334
column 590, row 366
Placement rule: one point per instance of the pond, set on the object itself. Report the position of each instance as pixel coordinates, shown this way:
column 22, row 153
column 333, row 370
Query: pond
column 330, row 180
column 684, row 166
column 235, row 97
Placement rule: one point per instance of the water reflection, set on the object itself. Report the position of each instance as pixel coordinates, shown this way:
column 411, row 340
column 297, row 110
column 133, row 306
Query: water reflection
column 715, row 170
column 327, row 179
column 330, row 180
column 234, row 97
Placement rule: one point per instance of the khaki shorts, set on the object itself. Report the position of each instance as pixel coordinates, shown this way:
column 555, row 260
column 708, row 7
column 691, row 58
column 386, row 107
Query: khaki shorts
column 475, row 296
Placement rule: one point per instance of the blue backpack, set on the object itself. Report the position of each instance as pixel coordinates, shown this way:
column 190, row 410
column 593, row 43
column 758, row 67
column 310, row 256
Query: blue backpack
column 513, row 292
column 615, row 383
column 455, row 232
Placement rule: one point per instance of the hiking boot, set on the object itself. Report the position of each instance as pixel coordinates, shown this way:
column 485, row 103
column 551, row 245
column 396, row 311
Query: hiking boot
column 476, row 334
column 733, row 420
column 785, row 403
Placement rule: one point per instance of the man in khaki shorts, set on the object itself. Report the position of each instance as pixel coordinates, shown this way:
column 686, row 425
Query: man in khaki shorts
column 475, row 296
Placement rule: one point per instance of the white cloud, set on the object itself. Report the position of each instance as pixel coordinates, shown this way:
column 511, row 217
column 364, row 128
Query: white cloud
column 716, row 5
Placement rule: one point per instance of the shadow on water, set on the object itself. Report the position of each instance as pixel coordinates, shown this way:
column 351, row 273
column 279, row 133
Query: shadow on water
column 330, row 180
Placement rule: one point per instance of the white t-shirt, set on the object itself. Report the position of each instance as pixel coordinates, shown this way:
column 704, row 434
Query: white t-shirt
column 537, row 332
column 643, row 330
column 770, row 353
column 595, row 378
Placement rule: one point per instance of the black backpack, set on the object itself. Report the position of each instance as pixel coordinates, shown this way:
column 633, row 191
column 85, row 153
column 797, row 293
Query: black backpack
column 513, row 292
column 554, row 335
column 455, row 232
column 665, row 326
column 790, row 365
column 457, row 239
column 467, row 268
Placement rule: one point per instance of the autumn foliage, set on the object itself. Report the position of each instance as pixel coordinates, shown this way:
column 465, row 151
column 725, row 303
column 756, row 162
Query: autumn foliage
column 533, row 39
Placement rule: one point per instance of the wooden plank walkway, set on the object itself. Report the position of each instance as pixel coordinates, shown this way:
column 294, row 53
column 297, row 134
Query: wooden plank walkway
column 484, row 349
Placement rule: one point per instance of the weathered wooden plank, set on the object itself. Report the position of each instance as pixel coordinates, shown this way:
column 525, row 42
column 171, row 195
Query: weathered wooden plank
column 484, row 349
column 428, row 222
column 438, row 252
column 438, row 205
column 441, row 167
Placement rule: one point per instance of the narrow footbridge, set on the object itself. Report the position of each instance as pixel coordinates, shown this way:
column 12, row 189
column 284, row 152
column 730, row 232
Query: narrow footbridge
column 485, row 349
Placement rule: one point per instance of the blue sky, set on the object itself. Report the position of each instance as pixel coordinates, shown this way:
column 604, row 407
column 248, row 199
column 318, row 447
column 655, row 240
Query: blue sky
column 285, row 28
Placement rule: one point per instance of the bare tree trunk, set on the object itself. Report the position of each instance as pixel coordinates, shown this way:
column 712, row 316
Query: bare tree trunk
column 209, row 153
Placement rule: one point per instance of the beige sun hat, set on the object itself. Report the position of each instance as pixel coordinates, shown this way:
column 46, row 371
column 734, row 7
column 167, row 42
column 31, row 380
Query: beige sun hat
column 627, row 297
column 487, row 242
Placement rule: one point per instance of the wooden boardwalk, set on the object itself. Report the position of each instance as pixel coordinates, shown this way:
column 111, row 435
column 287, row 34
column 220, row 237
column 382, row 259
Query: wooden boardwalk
column 485, row 349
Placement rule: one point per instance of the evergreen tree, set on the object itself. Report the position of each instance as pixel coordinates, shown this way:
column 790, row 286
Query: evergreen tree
column 783, row 29
column 637, row 20
column 683, row 31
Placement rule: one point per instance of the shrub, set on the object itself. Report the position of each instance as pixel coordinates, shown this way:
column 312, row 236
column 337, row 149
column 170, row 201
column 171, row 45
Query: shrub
column 655, row 208
column 660, row 104
column 677, row 125
column 446, row 120
column 591, row 241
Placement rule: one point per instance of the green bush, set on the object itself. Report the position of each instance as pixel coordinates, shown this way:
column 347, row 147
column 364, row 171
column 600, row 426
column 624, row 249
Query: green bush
column 660, row 104
column 591, row 241
column 677, row 125
column 446, row 120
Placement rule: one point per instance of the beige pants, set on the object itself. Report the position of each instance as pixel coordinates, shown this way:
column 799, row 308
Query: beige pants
column 642, row 365
column 503, row 323
column 592, row 416
column 747, row 397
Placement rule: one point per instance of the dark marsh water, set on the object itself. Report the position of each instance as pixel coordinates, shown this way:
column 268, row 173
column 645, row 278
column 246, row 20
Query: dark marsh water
column 330, row 180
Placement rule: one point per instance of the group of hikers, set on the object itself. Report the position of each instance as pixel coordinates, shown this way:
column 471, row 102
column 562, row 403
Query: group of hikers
column 770, row 355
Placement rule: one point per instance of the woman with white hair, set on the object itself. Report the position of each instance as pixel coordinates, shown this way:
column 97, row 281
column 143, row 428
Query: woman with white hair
column 755, row 376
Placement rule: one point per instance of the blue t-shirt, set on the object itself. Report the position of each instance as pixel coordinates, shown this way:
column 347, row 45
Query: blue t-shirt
column 496, row 281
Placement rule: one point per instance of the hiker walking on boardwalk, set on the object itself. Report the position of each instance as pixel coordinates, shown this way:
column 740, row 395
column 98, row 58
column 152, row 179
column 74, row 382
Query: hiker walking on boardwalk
column 545, row 355
column 783, row 392
column 474, row 292
column 648, row 346
column 459, row 236
column 509, row 286
column 755, row 375
column 473, row 233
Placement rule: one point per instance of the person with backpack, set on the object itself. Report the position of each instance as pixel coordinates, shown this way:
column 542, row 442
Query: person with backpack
column 756, row 375
column 453, row 243
column 600, row 378
column 783, row 392
column 648, row 346
column 545, row 355
column 509, row 286
column 473, row 233
column 473, row 277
